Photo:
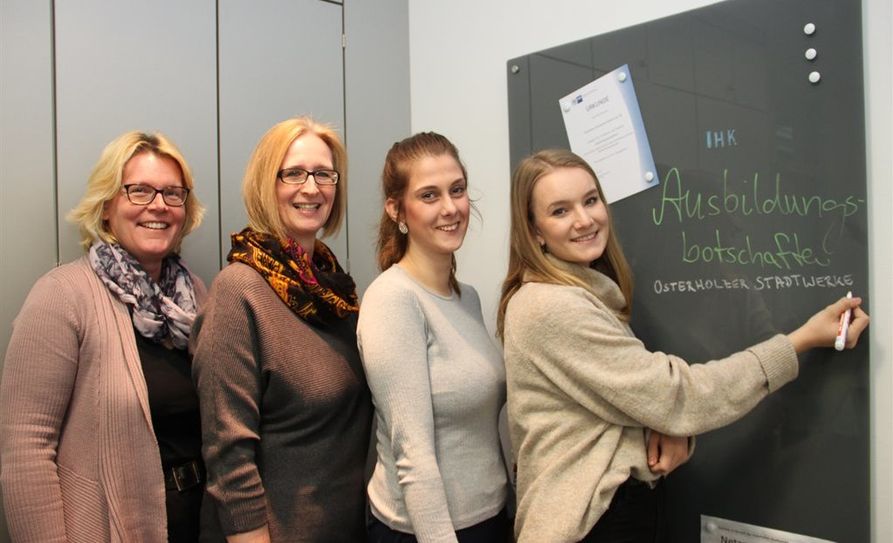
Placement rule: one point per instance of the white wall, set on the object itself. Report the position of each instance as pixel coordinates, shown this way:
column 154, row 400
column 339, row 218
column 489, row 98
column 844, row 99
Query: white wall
column 458, row 52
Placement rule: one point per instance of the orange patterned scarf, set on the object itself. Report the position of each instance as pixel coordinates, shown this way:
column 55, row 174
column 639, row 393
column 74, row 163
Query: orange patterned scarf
column 318, row 291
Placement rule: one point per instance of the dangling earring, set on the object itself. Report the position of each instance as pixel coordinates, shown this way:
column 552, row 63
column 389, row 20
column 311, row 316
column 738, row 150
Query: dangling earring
column 401, row 226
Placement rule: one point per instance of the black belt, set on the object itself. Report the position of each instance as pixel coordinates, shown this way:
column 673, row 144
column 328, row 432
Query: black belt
column 184, row 476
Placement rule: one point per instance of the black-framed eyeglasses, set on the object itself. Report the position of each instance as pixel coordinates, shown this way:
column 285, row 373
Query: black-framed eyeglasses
column 142, row 195
column 299, row 176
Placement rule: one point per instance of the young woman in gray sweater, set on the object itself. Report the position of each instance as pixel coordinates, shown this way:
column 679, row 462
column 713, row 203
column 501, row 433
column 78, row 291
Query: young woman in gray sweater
column 437, row 379
column 577, row 426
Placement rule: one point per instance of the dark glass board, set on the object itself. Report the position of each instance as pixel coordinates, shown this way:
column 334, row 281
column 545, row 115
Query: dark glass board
column 759, row 220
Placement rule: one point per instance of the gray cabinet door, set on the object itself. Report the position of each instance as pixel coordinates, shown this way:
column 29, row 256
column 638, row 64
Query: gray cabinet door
column 147, row 66
column 27, row 191
column 278, row 59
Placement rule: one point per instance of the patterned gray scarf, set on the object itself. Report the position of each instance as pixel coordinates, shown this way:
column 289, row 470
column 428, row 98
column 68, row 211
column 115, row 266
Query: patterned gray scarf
column 159, row 310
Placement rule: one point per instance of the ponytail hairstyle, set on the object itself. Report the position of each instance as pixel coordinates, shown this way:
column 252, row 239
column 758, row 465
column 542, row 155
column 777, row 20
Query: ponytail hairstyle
column 526, row 255
column 395, row 176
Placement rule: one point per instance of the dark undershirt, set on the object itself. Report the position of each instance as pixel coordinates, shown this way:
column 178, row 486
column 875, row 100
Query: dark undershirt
column 173, row 401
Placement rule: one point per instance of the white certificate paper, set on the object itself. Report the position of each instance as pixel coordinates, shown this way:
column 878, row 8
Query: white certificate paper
column 604, row 126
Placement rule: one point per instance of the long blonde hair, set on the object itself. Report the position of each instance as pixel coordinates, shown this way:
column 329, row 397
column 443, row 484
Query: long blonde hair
column 525, row 254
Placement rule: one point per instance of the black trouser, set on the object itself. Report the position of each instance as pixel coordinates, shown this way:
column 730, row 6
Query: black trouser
column 636, row 515
column 492, row 530
column 183, row 514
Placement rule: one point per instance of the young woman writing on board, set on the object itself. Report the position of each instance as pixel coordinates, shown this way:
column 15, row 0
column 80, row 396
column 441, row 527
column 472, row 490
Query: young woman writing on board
column 582, row 388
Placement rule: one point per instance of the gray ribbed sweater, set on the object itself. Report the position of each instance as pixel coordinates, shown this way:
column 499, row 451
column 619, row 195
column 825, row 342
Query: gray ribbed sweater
column 581, row 388
column 286, row 414
column 438, row 384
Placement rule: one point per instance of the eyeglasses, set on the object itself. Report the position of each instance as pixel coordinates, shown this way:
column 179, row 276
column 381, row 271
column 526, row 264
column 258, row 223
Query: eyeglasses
column 143, row 195
column 299, row 176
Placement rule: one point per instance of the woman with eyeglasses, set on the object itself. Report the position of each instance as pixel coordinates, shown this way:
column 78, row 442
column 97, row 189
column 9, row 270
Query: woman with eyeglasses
column 101, row 434
column 286, row 411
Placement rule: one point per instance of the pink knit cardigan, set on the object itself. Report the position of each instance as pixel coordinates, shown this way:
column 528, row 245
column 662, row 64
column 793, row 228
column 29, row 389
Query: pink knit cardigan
column 79, row 457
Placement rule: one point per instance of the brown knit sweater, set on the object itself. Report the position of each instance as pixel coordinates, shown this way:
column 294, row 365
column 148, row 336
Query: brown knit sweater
column 582, row 388
column 286, row 414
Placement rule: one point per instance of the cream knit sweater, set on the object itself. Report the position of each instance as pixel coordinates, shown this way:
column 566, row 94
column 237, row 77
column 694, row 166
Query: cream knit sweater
column 582, row 388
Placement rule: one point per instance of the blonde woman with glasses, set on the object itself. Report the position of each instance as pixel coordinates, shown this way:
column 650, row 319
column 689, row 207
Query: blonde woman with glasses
column 285, row 408
column 100, row 421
